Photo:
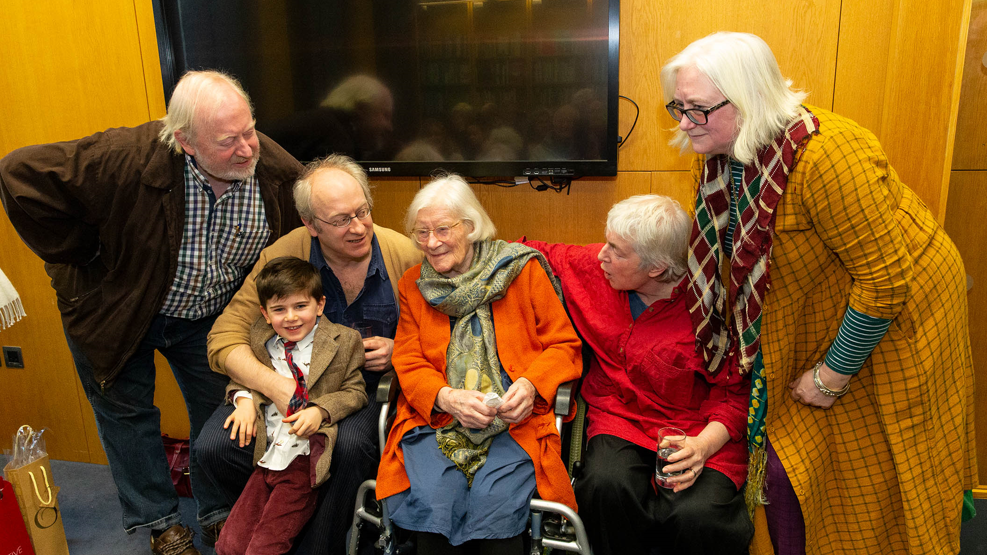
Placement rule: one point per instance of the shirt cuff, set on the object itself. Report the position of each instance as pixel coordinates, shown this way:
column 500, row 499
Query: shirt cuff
column 241, row 395
column 858, row 336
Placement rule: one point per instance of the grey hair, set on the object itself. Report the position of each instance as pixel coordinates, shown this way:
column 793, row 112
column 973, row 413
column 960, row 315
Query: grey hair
column 185, row 100
column 658, row 230
column 451, row 192
column 303, row 187
column 354, row 91
column 744, row 69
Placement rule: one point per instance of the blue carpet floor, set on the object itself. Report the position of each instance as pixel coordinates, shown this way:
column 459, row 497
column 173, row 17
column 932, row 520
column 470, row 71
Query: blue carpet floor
column 93, row 522
column 92, row 516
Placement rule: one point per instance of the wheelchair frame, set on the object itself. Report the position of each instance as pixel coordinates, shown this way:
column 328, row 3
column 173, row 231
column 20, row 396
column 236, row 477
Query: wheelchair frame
column 387, row 392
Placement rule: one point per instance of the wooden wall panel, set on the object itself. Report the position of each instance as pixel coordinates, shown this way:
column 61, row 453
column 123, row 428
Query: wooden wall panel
column 970, row 152
column 69, row 69
column 964, row 224
column 99, row 84
column 679, row 185
column 922, row 94
column 391, row 197
column 578, row 217
column 640, row 62
column 152, row 62
column 862, row 64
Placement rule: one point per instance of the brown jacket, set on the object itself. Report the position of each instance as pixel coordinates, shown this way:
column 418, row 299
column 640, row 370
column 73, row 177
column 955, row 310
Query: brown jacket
column 334, row 384
column 106, row 214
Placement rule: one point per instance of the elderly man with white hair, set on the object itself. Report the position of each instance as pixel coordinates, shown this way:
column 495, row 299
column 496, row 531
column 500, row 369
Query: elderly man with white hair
column 147, row 233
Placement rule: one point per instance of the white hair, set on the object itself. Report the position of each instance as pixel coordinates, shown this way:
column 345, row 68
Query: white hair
column 354, row 91
column 190, row 91
column 303, row 187
column 455, row 195
column 658, row 230
column 744, row 69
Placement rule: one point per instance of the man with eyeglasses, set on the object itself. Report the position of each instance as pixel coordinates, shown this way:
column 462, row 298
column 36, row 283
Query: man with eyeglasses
column 360, row 265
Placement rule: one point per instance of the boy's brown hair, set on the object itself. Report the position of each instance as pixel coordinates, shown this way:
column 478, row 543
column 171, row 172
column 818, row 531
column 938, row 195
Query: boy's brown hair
column 286, row 276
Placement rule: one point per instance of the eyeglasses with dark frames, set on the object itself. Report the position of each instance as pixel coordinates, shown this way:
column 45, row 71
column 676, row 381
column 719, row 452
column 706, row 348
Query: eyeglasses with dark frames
column 344, row 221
column 697, row 116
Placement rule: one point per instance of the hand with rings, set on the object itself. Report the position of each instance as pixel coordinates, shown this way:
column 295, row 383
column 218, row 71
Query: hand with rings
column 689, row 460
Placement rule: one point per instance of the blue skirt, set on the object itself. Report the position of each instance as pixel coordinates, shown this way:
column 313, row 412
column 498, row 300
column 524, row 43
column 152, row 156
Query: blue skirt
column 439, row 500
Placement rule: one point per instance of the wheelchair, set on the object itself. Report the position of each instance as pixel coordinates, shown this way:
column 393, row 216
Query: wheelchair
column 551, row 525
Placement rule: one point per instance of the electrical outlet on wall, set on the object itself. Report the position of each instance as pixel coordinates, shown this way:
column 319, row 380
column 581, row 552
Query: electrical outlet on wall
column 12, row 357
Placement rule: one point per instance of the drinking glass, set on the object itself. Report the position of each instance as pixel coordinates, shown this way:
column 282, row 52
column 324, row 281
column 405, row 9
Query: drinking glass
column 365, row 329
column 670, row 440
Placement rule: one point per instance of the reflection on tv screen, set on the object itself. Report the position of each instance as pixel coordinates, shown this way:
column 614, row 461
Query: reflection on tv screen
column 415, row 81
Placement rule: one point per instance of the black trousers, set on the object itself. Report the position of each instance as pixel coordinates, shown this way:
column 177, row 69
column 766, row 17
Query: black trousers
column 355, row 458
column 623, row 514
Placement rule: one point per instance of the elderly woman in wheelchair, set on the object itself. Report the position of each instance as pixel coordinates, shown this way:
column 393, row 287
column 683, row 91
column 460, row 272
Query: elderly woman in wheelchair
column 483, row 343
column 626, row 299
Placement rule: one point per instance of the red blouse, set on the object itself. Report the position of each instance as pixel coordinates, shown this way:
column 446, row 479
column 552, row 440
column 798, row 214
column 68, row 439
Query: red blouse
column 646, row 373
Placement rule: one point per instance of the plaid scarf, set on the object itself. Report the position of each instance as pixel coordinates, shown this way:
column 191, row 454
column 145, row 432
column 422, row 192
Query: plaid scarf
column 719, row 341
column 471, row 357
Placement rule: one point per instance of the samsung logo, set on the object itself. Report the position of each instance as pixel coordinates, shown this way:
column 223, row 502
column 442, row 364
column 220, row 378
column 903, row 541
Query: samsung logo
column 379, row 169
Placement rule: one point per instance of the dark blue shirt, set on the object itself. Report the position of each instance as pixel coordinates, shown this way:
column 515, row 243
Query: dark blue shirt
column 375, row 305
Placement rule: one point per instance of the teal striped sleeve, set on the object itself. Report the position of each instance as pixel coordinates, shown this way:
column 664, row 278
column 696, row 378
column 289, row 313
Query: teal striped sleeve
column 859, row 334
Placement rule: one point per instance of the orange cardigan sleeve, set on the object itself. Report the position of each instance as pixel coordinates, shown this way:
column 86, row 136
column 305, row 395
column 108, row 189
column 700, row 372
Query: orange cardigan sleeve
column 418, row 359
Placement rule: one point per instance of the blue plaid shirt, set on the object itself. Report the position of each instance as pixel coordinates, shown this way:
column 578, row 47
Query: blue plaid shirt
column 221, row 240
column 375, row 305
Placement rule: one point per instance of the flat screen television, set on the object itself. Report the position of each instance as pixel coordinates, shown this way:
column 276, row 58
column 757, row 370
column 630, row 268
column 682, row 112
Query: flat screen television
column 488, row 88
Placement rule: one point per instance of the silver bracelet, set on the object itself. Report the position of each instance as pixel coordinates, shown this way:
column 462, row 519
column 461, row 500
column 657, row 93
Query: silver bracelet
column 822, row 387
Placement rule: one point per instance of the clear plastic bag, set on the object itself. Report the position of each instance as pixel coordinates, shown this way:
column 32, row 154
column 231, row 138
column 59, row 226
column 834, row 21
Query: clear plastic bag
column 29, row 446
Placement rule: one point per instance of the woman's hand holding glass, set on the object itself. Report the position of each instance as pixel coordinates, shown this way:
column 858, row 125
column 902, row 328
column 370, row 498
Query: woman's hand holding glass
column 518, row 402
column 466, row 406
column 691, row 457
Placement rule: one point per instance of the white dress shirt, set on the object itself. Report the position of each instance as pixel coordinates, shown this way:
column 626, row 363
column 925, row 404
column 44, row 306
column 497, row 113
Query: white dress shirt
column 282, row 447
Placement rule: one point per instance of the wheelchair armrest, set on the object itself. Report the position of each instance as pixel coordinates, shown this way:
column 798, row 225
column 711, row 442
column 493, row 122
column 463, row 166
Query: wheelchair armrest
column 564, row 396
column 388, row 388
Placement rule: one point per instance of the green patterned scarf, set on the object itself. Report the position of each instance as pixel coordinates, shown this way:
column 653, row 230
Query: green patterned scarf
column 471, row 358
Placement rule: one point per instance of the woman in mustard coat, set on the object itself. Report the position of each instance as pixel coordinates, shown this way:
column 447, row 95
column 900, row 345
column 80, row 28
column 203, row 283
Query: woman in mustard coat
column 831, row 283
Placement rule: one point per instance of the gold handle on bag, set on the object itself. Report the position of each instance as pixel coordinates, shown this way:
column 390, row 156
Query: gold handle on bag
column 47, row 486
column 40, row 519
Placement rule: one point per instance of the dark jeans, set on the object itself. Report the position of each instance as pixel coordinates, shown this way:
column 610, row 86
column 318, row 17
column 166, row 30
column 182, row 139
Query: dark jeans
column 623, row 514
column 354, row 459
column 130, row 425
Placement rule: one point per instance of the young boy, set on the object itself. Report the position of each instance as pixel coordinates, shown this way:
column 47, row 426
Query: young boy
column 292, row 451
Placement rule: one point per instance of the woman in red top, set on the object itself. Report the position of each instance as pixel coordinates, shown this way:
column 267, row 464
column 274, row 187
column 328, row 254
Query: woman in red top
column 626, row 300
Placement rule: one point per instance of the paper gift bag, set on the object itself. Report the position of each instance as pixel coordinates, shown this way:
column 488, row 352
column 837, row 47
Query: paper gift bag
column 37, row 497
column 14, row 539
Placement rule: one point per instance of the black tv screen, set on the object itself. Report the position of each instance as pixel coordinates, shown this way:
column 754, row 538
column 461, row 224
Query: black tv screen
column 483, row 88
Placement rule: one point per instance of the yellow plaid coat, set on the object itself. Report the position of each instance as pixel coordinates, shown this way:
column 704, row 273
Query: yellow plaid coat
column 883, row 470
